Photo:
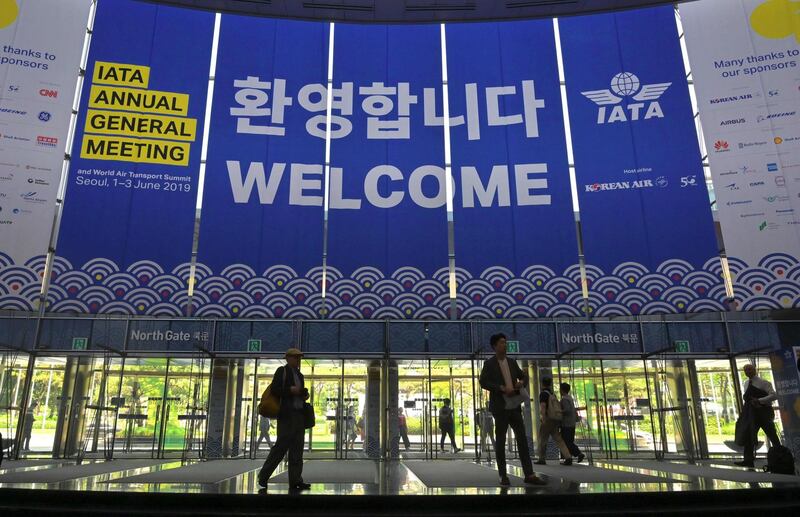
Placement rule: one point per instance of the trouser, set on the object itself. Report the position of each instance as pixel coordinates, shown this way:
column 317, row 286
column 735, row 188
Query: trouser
column 404, row 436
column 448, row 431
column 568, row 435
column 26, row 440
column 488, row 433
column 262, row 437
column 291, row 431
column 547, row 429
column 768, row 426
column 502, row 421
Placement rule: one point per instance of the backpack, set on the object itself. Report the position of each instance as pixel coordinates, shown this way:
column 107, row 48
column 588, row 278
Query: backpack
column 270, row 404
column 554, row 411
column 445, row 416
column 780, row 461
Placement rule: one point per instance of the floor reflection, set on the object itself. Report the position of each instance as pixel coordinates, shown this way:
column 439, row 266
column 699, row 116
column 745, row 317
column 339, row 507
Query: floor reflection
column 396, row 478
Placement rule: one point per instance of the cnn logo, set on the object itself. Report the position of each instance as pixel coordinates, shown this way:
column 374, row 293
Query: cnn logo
column 44, row 92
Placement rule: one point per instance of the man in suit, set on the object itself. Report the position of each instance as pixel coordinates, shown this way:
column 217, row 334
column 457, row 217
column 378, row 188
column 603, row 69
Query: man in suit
column 288, row 384
column 502, row 377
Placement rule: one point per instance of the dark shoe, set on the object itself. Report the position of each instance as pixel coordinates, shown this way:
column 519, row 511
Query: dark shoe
column 567, row 462
column 748, row 464
column 262, row 480
column 301, row 486
column 581, row 456
column 533, row 479
column 504, row 481
column 540, row 462
column 455, row 450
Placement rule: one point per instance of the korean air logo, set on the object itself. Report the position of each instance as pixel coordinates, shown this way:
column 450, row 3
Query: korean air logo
column 44, row 116
column 624, row 85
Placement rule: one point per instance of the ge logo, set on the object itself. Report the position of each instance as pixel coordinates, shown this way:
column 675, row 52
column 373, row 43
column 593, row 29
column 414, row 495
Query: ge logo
column 689, row 181
column 44, row 116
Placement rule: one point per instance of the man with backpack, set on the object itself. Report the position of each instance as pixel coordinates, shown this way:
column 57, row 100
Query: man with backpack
column 289, row 385
column 758, row 394
column 502, row 377
column 550, row 416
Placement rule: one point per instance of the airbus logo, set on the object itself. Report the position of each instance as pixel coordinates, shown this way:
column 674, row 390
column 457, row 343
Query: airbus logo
column 732, row 122
column 623, row 85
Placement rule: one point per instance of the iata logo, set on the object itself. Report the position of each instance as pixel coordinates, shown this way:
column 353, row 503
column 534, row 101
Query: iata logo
column 721, row 146
column 44, row 92
column 624, row 85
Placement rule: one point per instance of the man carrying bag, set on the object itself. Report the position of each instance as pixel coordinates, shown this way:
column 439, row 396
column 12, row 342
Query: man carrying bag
column 294, row 415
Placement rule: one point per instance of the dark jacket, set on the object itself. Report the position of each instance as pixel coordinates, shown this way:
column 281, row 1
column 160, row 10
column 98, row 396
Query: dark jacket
column 492, row 380
column 280, row 387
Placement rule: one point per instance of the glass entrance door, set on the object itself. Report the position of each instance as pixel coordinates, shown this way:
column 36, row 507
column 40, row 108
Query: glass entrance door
column 140, row 405
column 185, row 409
column 614, row 398
column 718, row 404
column 13, row 370
column 338, row 393
column 424, row 387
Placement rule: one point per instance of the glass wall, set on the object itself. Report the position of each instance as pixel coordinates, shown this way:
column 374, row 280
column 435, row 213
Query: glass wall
column 101, row 406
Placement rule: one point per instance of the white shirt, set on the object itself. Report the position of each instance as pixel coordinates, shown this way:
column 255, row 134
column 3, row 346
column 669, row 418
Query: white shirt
column 506, row 371
column 763, row 385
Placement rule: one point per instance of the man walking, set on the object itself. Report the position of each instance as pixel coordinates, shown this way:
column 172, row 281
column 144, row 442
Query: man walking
column 502, row 377
column 569, row 420
column 486, row 424
column 288, row 384
column 263, row 432
column 549, row 420
column 447, row 425
column 759, row 395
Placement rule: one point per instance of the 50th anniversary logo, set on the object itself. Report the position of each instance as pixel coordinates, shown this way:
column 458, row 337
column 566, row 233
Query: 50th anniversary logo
column 128, row 122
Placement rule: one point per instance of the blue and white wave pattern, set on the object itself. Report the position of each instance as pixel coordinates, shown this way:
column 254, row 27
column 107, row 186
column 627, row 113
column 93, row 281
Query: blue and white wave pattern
column 144, row 288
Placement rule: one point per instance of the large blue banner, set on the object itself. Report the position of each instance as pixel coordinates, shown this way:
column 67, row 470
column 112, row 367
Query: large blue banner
column 126, row 233
column 261, row 227
column 648, row 235
column 515, row 243
column 387, row 219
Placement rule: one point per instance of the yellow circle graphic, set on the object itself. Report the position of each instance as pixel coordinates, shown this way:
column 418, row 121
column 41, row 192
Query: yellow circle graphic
column 8, row 12
column 777, row 19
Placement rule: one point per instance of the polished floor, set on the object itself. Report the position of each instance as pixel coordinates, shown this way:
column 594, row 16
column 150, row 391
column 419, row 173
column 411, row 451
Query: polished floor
column 403, row 477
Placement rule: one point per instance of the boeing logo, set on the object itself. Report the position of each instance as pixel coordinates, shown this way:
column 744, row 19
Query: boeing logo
column 624, row 85
column 773, row 116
